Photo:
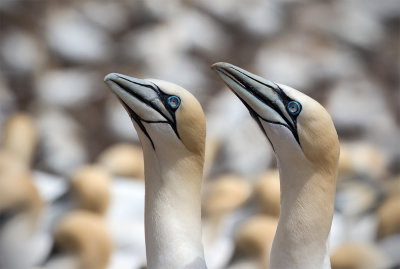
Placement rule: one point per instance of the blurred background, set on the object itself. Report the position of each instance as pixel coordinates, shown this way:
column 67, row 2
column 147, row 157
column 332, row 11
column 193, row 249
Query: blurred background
column 71, row 167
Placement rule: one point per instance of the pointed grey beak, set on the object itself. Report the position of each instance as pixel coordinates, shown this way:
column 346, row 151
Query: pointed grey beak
column 264, row 99
column 143, row 100
column 142, row 97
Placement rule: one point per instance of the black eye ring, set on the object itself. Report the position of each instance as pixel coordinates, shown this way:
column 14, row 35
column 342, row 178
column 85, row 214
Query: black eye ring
column 174, row 102
column 294, row 108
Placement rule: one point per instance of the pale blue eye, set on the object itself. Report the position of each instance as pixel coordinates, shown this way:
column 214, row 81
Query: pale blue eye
column 174, row 101
column 294, row 107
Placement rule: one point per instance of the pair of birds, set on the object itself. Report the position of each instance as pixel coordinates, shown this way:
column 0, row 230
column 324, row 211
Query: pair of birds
column 171, row 126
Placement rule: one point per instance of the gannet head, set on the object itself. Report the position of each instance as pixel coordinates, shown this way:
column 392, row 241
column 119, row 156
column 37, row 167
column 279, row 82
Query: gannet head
column 18, row 197
column 167, row 117
column 299, row 129
column 83, row 235
column 90, row 185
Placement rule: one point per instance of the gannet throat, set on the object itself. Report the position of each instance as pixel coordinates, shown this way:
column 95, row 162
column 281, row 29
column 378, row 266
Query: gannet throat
column 270, row 102
column 149, row 103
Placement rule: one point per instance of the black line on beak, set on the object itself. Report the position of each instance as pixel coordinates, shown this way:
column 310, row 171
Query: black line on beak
column 138, row 120
column 143, row 100
column 164, row 100
column 250, row 88
column 164, row 97
column 256, row 117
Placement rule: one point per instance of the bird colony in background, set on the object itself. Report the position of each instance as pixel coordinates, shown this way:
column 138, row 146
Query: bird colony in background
column 74, row 164
column 94, row 217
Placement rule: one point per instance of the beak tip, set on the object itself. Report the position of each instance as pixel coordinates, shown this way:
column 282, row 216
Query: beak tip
column 220, row 65
column 111, row 77
column 214, row 66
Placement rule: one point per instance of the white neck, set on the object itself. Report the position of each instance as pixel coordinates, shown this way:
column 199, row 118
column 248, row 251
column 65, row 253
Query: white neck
column 307, row 204
column 173, row 211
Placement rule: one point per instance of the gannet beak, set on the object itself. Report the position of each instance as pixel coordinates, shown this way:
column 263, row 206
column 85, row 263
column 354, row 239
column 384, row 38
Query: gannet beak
column 264, row 99
column 141, row 98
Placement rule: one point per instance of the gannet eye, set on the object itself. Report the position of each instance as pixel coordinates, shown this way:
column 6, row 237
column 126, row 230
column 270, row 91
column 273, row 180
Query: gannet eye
column 294, row 107
column 174, row 101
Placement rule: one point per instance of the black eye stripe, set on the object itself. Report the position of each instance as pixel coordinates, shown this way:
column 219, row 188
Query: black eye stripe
column 164, row 97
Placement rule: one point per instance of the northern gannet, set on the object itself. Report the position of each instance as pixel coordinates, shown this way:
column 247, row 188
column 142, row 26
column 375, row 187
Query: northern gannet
column 171, row 126
column 359, row 255
column 20, row 137
column 20, row 212
column 123, row 160
column 21, row 207
column 82, row 241
column 225, row 194
column 254, row 238
column 388, row 215
column 90, row 186
column 88, row 189
column 306, row 146
column 223, row 201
